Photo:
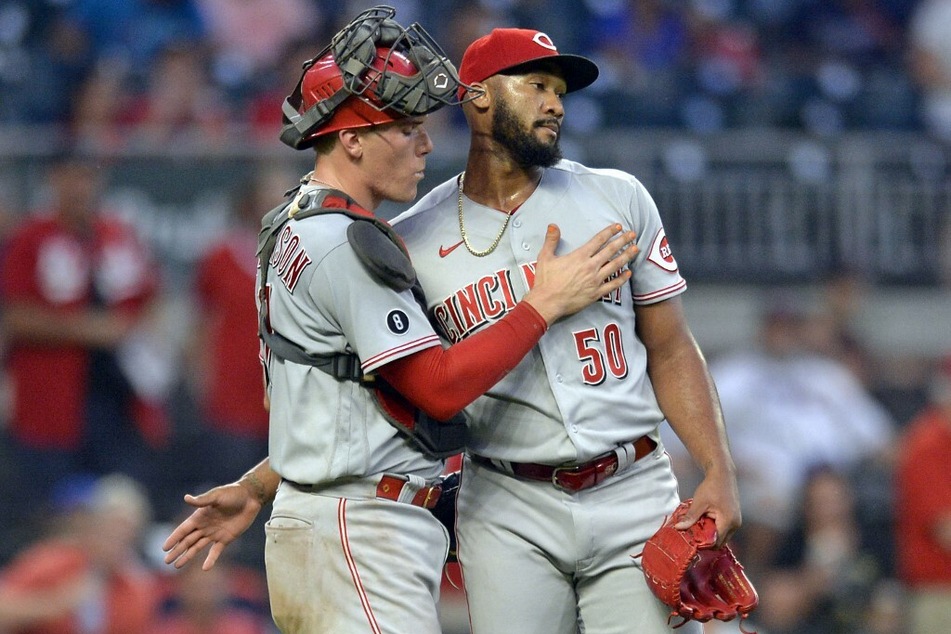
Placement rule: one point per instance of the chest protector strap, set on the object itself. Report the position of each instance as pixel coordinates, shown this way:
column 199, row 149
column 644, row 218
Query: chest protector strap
column 382, row 252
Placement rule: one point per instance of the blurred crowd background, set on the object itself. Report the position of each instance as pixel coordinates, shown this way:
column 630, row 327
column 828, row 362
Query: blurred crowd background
column 130, row 71
column 799, row 152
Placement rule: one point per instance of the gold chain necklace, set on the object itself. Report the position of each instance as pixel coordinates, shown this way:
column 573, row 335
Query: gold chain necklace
column 462, row 227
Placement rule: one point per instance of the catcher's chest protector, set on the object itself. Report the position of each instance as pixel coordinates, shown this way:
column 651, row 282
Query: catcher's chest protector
column 381, row 250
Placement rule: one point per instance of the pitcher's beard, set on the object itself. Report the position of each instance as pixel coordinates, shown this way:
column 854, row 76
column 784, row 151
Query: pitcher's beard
column 524, row 148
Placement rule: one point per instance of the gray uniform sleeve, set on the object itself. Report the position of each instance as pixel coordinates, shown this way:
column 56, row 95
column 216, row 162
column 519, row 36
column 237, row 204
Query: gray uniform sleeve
column 378, row 323
column 656, row 273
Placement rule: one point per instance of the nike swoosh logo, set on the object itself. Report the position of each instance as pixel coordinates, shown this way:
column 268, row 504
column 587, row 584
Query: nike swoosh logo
column 444, row 251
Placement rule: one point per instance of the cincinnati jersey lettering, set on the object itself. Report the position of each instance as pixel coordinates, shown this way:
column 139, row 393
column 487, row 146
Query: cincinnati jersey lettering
column 486, row 300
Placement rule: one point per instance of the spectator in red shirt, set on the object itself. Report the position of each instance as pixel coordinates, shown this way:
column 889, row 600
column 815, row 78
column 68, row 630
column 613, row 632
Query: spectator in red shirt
column 88, row 576
column 75, row 284
column 923, row 509
column 232, row 600
column 227, row 373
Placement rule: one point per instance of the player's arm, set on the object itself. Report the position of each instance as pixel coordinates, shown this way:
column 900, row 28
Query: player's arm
column 221, row 515
column 34, row 323
column 563, row 285
column 443, row 381
column 687, row 396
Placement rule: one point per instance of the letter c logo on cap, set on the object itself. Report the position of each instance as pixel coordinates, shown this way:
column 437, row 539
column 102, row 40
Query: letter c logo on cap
column 543, row 40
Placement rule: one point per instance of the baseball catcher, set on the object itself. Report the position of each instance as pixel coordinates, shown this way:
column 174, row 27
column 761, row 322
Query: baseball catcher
column 697, row 581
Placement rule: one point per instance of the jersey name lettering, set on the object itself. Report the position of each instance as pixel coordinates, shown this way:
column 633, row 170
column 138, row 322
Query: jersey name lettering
column 289, row 258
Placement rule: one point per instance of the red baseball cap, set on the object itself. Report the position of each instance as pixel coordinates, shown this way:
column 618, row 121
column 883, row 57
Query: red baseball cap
column 510, row 49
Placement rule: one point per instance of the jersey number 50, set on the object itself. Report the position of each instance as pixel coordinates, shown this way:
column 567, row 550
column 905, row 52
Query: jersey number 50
column 601, row 353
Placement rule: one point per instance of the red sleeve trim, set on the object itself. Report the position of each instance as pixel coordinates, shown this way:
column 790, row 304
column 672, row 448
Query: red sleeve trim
column 385, row 356
column 663, row 293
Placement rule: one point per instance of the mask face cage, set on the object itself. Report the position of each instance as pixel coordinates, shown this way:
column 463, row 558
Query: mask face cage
column 426, row 84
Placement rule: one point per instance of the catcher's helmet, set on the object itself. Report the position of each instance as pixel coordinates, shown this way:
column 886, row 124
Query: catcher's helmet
column 374, row 71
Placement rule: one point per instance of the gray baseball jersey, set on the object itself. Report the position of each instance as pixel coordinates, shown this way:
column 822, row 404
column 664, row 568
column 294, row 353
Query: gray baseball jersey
column 322, row 298
column 584, row 389
column 536, row 558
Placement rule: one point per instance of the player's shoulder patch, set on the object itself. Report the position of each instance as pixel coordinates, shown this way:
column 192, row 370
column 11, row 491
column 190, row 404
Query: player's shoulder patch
column 661, row 254
column 397, row 321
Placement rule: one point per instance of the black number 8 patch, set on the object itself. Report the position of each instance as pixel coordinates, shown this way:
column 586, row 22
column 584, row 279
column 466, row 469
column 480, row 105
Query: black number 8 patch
column 397, row 321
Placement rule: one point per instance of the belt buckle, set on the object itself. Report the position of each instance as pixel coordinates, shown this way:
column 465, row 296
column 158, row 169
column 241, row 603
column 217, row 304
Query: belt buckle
column 557, row 472
column 591, row 473
column 433, row 494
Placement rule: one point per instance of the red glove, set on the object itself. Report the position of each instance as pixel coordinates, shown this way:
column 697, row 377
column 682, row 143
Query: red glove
column 695, row 580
